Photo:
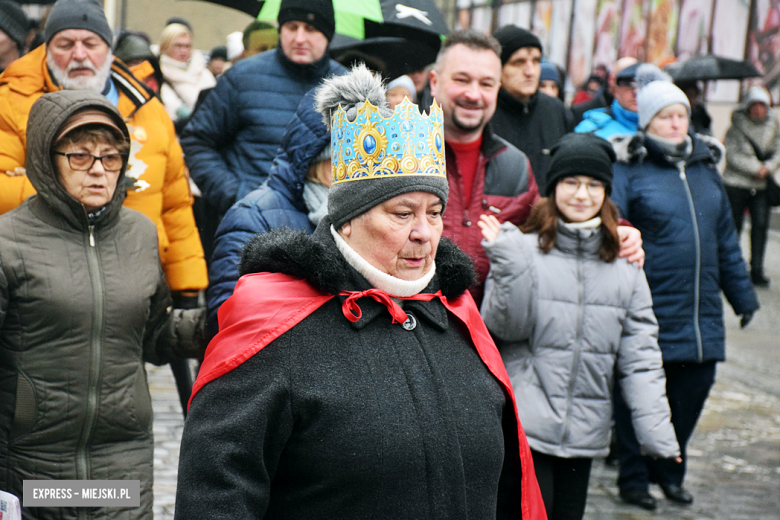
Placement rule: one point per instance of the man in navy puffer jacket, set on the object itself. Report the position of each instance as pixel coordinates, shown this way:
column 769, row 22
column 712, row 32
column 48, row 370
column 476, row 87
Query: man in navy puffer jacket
column 278, row 203
column 232, row 139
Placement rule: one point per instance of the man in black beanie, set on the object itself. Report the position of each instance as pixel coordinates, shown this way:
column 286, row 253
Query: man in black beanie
column 232, row 139
column 528, row 119
column 13, row 31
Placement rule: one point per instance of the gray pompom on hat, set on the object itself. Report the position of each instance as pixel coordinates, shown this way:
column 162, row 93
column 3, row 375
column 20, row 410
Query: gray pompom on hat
column 78, row 14
column 656, row 92
column 347, row 200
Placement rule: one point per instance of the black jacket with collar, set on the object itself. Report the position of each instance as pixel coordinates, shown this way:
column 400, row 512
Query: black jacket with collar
column 533, row 127
column 345, row 420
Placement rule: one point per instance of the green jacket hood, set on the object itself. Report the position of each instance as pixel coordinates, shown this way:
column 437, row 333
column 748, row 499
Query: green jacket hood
column 47, row 116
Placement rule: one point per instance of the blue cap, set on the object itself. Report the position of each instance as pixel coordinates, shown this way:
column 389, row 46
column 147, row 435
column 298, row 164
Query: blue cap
column 550, row 72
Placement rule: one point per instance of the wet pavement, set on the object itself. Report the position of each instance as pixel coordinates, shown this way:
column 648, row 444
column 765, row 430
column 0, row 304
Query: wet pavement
column 734, row 466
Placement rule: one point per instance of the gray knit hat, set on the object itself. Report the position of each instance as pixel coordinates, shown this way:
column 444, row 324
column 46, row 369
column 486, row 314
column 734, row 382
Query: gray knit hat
column 656, row 92
column 755, row 94
column 77, row 14
column 13, row 22
column 377, row 153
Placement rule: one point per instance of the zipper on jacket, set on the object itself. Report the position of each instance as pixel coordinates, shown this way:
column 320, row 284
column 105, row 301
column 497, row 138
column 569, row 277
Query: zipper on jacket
column 697, row 277
column 93, row 385
column 577, row 347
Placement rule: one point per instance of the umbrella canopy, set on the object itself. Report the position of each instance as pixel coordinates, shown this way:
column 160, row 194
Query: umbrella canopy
column 250, row 7
column 706, row 67
column 398, row 56
column 362, row 19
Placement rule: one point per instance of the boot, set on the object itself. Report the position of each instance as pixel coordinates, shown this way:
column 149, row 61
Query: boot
column 758, row 279
column 757, row 250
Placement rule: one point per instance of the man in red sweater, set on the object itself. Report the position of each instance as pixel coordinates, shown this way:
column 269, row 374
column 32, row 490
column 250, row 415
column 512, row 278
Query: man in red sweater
column 486, row 174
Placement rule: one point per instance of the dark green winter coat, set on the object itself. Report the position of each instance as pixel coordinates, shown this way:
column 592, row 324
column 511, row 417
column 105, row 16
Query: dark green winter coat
column 83, row 303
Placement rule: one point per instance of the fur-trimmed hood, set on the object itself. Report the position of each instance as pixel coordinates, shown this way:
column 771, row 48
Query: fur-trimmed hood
column 316, row 259
column 632, row 149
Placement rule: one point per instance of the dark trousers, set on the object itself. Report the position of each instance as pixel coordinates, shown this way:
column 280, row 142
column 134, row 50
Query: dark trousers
column 755, row 202
column 207, row 218
column 687, row 388
column 564, row 485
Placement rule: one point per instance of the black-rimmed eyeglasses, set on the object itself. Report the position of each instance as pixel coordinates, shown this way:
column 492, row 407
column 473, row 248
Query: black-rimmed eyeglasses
column 83, row 161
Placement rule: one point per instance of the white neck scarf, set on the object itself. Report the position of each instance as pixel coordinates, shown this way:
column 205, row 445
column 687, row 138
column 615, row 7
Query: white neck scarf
column 388, row 283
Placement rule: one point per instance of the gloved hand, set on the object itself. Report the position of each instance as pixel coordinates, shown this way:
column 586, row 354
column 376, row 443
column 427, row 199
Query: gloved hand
column 185, row 299
column 745, row 320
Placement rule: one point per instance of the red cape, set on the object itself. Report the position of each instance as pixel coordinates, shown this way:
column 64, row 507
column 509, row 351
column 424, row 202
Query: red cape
column 266, row 305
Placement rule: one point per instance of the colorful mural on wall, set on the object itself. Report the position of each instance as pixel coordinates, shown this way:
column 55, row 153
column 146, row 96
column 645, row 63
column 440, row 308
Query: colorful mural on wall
column 581, row 34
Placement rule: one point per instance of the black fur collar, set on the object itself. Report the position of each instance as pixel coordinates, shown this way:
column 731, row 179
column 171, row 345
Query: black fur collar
column 316, row 259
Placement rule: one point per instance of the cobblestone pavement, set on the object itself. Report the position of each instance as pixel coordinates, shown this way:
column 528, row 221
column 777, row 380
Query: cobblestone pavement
column 734, row 467
column 168, row 425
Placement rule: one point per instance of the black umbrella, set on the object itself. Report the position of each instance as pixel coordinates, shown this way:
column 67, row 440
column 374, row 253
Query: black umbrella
column 250, row 7
column 395, row 56
column 707, row 67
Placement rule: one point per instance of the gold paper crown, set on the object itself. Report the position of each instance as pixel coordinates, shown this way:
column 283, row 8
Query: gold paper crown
column 407, row 143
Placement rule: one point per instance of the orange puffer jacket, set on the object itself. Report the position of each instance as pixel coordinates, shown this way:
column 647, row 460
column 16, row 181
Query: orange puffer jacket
column 157, row 180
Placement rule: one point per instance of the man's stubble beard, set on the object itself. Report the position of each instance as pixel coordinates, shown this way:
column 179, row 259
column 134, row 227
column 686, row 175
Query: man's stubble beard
column 94, row 83
column 460, row 125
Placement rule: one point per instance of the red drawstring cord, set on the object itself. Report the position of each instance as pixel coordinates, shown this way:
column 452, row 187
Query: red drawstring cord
column 353, row 313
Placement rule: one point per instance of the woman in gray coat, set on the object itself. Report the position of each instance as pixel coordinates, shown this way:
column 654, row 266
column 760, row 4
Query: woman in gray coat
column 569, row 318
column 752, row 155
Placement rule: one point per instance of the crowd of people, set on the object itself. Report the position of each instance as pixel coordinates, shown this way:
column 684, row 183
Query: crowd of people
column 440, row 295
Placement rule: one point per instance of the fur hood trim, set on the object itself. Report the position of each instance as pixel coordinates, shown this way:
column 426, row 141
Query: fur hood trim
column 631, row 148
column 318, row 261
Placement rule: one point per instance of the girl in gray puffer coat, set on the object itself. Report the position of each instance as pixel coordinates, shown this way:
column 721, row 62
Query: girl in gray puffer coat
column 569, row 319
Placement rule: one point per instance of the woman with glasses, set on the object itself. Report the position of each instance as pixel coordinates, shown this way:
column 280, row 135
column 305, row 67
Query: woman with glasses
column 83, row 304
column 570, row 319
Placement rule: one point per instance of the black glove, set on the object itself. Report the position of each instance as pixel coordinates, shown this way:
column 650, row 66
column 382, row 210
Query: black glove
column 185, row 299
column 745, row 320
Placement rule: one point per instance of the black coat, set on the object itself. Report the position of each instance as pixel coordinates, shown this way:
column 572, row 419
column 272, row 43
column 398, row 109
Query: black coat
column 352, row 420
column 533, row 127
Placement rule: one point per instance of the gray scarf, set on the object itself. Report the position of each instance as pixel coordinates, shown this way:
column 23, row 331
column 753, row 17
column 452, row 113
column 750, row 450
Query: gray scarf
column 675, row 152
column 315, row 195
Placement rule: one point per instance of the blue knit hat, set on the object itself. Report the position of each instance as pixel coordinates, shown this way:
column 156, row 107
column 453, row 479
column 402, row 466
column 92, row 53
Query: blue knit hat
column 550, row 72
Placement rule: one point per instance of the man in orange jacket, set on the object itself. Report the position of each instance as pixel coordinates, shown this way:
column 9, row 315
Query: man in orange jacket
column 77, row 56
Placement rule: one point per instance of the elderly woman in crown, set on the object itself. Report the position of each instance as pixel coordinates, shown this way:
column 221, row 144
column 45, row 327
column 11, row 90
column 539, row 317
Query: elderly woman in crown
column 352, row 376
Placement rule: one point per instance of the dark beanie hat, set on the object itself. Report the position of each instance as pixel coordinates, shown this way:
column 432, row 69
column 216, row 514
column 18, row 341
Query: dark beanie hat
column 580, row 154
column 179, row 20
column 317, row 13
column 218, row 53
column 377, row 153
column 132, row 45
column 77, row 14
column 512, row 37
column 13, row 22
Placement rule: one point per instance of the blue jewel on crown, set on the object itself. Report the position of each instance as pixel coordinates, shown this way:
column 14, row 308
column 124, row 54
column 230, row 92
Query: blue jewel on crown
column 406, row 143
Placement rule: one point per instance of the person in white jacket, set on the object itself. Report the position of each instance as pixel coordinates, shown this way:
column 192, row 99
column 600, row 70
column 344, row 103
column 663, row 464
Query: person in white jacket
column 570, row 318
column 185, row 72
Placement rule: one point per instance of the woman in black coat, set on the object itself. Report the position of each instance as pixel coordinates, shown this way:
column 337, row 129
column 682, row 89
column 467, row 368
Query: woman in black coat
column 352, row 376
